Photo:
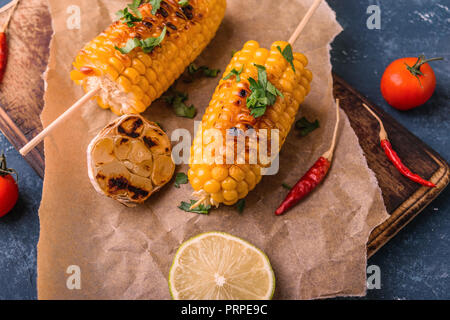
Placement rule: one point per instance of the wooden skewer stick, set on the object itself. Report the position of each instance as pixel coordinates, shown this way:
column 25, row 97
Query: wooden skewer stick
column 67, row 114
column 5, row 25
column 304, row 21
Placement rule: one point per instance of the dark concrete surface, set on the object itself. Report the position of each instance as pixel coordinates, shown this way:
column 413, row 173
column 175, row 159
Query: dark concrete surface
column 415, row 264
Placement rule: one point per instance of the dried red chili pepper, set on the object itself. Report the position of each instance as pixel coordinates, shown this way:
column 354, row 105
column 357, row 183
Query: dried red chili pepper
column 313, row 177
column 4, row 43
column 393, row 156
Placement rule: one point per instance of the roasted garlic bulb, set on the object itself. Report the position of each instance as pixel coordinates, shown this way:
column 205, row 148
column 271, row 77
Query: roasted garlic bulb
column 130, row 159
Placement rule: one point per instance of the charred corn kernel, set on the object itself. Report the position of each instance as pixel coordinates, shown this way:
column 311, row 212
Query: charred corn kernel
column 229, row 182
column 190, row 29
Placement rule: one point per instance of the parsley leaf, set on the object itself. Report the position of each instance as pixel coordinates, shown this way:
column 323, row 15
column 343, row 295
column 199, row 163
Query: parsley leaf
column 156, row 4
column 233, row 52
column 183, row 3
column 236, row 73
column 181, row 178
column 306, row 127
column 264, row 93
column 134, row 8
column 146, row 45
column 286, row 186
column 201, row 209
column 127, row 17
column 206, row 71
column 177, row 99
column 288, row 55
column 240, row 205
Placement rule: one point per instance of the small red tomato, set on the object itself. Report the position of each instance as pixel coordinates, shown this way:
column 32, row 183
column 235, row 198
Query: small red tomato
column 9, row 192
column 408, row 82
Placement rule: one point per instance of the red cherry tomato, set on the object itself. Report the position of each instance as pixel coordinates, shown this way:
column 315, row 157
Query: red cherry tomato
column 408, row 82
column 9, row 192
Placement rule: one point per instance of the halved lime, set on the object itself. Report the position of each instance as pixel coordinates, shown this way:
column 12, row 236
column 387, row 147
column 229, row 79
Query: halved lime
column 219, row 266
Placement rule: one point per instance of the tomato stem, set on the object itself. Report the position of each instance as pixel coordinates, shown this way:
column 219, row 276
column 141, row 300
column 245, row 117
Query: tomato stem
column 4, row 170
column 415, row 69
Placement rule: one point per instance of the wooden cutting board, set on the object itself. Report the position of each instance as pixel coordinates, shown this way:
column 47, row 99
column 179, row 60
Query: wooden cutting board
column 21, row 102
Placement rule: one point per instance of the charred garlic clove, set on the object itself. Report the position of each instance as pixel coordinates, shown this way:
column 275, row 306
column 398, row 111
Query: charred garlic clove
column 130, row 159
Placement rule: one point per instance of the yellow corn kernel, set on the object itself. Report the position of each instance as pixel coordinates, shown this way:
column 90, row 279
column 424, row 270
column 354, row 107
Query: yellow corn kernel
column 138, row 65
column 132, row 75
column 212, row 186
column 219, row 173
column 117, row 64
column 230, row 195
column 125, row 84
column 145, row 58
column 229, row 184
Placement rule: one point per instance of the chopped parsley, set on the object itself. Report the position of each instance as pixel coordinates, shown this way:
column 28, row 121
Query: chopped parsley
column 240, row 205
column 146, row 45
column 201, row 209
column 181, row 178
column 306, row 127
column 205, row 70
column 288, row 55
column 233, row 52
column 127, row 17
column 264, row 93
column 156, row 4
column 183, row 3
column 236, row 73
column 177, row 100
column 286, row 186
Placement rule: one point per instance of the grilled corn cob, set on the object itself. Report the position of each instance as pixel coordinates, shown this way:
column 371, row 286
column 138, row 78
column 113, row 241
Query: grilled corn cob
column 131, row 82
column 216, row 181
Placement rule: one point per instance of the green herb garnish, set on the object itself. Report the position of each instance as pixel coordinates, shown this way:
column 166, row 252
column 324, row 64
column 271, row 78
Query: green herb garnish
column 264, row 93
column 183, row 3
column 156, row 4
column 146, row 45
column 306, row 127
column 127, row 17
column 288, row 55
column 286, row 186
column 233, row 52
column 181, row 178
column 240, row 205
column 236, row 73
column 177, row 99
column 201, row 209
column 206, row 71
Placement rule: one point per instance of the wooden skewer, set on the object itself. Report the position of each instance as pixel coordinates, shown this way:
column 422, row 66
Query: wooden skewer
column 304, row 21
column 68, row 113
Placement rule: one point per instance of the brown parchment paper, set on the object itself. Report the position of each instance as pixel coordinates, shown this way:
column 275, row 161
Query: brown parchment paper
column 317, row 250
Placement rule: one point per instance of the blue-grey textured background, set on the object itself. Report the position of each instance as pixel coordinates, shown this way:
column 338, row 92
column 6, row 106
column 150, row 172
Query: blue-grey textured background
column 415, row 264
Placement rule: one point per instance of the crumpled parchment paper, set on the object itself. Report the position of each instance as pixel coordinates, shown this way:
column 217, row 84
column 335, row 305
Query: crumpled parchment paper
column 317, row 250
